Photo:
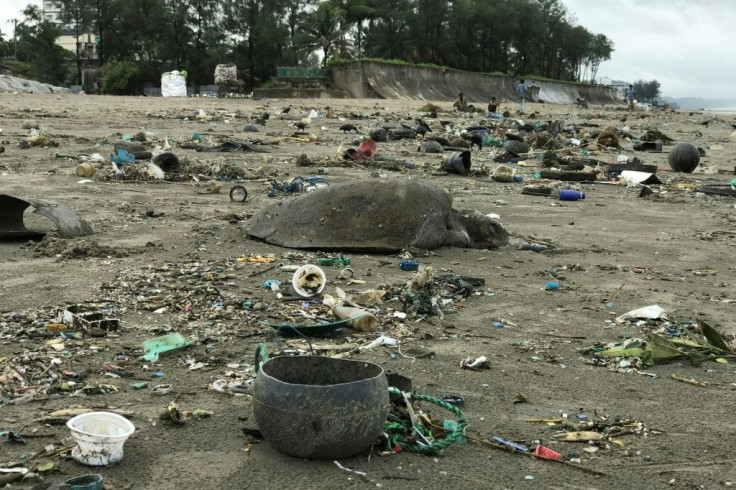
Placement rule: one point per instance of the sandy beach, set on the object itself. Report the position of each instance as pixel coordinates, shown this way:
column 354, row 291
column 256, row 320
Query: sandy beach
column 162, row 245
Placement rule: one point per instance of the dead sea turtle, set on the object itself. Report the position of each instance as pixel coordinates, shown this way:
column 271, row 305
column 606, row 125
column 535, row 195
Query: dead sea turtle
column 375, row 216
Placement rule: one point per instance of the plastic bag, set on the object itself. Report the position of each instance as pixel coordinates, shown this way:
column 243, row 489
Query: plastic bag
column 225, row 73
column 173, row 84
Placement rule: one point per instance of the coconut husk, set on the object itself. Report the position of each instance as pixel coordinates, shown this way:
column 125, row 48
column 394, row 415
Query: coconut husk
column 654, row 135
column 430, row 108
column 608, row 138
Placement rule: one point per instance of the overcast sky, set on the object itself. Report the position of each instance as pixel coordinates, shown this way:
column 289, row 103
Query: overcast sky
column 10, row 9
column 687, row 45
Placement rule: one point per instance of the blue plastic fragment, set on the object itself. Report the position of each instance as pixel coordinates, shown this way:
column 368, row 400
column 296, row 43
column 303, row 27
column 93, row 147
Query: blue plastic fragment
column 122, row 157
column 510, row 444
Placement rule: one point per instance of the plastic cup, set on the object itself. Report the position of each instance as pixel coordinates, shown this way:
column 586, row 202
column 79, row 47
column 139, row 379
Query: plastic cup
column 100, row 437
column 308, row 280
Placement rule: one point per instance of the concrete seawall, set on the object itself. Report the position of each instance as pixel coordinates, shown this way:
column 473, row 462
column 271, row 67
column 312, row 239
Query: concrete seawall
column 370, row 79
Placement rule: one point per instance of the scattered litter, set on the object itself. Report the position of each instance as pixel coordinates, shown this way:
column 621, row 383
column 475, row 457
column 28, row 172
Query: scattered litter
column 475, row 364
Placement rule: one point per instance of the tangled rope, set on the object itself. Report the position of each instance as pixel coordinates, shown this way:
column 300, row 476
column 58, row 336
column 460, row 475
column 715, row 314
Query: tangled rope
column 398, row 430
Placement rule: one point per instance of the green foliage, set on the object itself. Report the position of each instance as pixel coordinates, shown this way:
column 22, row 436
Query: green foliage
column 338, row 61
column 23, row 68
column 546, row 79
column 647, row 91
column 326, row 28
column 37, row 47
column 120, row 78
column 342, row 61
column 502, row 37
column 431, row 65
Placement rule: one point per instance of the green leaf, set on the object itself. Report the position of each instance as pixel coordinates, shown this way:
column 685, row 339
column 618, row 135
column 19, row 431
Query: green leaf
column 697, row 360
column 663, row 350
column 688, row 343
column 646, row 359
column 621, row 352
column 714, row 337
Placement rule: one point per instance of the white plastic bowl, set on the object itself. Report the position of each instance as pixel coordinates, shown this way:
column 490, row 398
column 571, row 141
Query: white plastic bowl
column 100, row 437
column 313, row 275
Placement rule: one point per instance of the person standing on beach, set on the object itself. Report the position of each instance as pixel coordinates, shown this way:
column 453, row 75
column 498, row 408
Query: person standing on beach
column 521, row 95
column 630, row 94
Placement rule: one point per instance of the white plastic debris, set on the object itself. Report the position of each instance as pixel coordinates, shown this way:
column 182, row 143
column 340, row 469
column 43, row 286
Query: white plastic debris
column 382, row 340
column 652, row 312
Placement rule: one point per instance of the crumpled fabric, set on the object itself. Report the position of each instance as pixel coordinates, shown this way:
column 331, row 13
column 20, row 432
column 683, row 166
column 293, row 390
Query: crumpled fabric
column 366, row 151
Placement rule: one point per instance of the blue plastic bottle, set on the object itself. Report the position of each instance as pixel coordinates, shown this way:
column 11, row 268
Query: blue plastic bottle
column 571, row 195
column 409, row 265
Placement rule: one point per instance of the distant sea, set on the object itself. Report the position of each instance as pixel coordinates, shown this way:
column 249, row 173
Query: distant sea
column 727, row 110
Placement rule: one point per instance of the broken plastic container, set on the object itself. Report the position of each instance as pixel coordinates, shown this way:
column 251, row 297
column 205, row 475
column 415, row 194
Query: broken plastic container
column 308, row 280
column 545, row 452
column 100, row 437
column 84, row 482
column 158, row 345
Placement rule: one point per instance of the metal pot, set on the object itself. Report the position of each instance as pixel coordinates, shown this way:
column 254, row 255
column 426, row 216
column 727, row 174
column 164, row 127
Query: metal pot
column 320, row 407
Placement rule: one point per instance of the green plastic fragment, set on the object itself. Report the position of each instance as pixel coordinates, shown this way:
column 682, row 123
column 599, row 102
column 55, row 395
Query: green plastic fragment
column 158, row 345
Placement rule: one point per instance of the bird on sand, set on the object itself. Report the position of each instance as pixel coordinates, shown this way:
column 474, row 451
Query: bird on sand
column 423, row 124
column 286, row 111
column 346, row 128
column 421, row 130
column 474, row 139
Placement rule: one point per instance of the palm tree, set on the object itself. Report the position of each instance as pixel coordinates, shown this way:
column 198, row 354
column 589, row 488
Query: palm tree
column 326, row 28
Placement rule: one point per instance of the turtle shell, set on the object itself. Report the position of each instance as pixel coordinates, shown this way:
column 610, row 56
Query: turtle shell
column 366, row 215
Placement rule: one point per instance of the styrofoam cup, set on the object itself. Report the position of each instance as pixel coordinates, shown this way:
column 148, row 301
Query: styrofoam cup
column 311, row 272
column 100, row 437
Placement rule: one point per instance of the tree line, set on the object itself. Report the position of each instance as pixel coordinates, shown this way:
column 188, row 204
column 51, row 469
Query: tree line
column 515, row 37
column 647, row 91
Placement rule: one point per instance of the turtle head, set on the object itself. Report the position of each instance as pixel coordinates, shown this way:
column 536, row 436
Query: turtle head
column 483, row 231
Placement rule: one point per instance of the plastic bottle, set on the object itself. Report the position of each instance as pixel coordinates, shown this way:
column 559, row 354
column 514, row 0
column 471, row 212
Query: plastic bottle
column 334, row 261
column 409, row 265
column 571, row 195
